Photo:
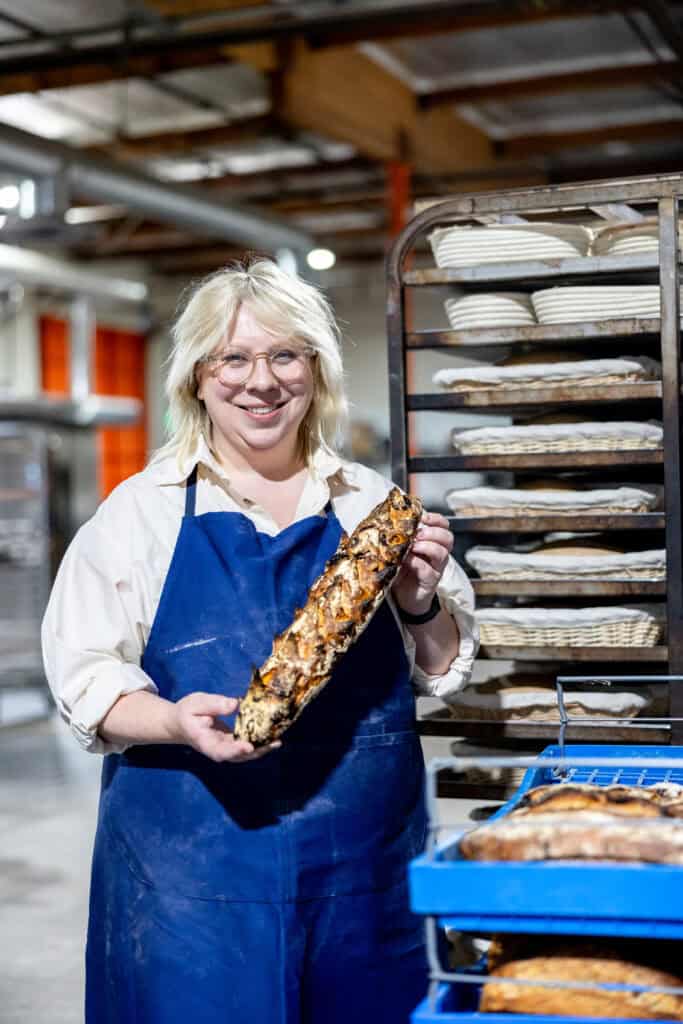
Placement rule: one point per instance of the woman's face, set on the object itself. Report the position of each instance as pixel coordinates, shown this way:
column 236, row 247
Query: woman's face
column 264, row 412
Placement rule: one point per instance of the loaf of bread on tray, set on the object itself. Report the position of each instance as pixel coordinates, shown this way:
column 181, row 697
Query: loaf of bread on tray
column 340, row 604
column 585, row 822
column 662, row 799
column 608, row 961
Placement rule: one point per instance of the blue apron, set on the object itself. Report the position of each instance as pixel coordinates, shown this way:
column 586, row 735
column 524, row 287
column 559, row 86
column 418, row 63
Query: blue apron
column 274, row 890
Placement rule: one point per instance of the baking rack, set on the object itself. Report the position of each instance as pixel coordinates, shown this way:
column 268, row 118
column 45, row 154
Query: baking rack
column 408, row 282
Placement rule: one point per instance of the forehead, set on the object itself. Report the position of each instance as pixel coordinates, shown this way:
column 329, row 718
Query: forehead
column 248, row 331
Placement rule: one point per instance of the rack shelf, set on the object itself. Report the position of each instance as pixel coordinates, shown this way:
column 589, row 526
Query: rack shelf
column 549, row 524
column 615, row 654
column 569, row 588
column 560, row 460
column 511, row 398
column 441, row 723
column 534, row 270
column 580, row 331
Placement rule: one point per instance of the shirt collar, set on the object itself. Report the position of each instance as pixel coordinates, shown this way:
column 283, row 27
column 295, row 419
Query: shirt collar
column 171, row 470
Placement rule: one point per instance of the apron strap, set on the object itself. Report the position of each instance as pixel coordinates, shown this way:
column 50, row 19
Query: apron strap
column 191, row 492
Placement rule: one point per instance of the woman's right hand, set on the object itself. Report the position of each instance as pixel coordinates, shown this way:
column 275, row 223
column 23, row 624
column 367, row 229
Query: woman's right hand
column 197, row 723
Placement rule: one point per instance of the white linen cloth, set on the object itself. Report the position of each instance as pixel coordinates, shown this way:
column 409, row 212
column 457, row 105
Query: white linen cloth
column 619, row 499
column 486, row 560
column 108, row 586
column 642, row 366
column 645, row 432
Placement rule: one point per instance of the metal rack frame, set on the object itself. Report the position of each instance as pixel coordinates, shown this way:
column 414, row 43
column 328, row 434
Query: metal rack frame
column 662, row 191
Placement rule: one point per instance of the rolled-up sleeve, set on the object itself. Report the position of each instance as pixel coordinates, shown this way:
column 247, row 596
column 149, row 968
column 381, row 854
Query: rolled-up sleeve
column 91, row 635
column 457, row 598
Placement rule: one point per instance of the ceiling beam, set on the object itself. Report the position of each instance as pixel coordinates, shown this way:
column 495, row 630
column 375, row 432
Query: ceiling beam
column 329, row 24
column 343, row 93
column 562, row 82
column 28, row 79
column 192, row 139
column 523, row 147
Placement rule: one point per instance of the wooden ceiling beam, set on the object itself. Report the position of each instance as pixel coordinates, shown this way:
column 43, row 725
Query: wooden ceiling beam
column 562, row 82
column 95, row 73
column 524, row 147
column 192, row 140
column 343, row 93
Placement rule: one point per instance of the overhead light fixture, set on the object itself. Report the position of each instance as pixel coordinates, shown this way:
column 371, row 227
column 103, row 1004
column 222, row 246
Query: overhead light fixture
column 9, row 197
column 321, row 259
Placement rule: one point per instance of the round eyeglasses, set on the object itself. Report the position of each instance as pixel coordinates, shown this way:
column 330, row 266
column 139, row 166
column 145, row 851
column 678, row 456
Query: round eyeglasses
column 235, row 366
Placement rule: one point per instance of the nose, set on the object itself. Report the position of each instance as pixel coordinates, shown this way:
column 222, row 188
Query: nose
column 261, row 375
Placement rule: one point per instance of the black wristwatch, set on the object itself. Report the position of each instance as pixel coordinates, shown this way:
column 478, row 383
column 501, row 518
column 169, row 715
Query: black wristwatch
column 419, row 620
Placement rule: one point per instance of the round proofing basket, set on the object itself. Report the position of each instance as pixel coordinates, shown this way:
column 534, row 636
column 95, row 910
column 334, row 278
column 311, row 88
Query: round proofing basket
column 598, row 443
column 604, row 634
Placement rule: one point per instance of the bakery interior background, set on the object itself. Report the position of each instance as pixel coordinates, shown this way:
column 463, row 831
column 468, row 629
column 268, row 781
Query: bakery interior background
column 142, row 145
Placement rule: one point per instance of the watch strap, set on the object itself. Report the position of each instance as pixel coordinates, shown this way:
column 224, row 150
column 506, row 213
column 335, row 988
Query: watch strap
column 419, row 620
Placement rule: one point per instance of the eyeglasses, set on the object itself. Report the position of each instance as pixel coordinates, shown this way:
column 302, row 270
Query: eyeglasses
column 235, row 366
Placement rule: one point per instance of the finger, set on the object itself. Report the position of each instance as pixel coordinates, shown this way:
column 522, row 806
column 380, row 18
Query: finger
column 213, row 704
column 434, row 519
column 435, row 554
column 424, row 573
column 437, row 535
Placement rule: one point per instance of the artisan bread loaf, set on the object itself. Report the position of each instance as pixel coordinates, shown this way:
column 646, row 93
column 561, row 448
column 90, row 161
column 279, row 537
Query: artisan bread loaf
column 340, row 605
column 551, row 958
column 621, row 801
column 577, row 835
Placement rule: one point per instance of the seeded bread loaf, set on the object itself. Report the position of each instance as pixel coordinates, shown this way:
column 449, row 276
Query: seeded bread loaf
column 340, row 605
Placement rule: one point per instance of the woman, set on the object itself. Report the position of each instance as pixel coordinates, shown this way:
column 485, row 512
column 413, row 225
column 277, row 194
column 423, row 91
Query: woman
column 231, row 884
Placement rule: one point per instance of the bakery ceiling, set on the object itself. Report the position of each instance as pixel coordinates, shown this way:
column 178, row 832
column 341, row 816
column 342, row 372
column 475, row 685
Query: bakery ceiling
column 298, row 106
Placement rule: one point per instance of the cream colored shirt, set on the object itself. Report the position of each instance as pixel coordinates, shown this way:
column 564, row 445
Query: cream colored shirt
column 108, row 586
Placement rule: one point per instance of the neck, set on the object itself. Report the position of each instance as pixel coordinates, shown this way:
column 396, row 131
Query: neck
column 279, row 463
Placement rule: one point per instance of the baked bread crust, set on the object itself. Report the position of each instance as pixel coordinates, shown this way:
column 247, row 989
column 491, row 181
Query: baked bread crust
column 340, row 605
column 585, row 962
column 621, row 801
column 582, row 835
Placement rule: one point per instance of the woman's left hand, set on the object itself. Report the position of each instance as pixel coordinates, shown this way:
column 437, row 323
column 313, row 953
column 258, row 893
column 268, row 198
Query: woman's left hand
column 423, row 567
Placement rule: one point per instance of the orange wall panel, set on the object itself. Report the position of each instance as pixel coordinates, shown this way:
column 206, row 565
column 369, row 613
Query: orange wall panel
column 118, row 369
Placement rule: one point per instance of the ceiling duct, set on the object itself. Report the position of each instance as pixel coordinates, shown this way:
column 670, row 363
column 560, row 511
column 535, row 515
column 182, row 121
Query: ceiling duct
column 108, row 181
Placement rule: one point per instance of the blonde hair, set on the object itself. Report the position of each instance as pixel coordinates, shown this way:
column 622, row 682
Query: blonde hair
column 284, row 304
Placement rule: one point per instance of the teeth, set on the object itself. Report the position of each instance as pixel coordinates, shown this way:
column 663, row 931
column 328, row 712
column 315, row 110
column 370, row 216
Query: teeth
column 263, row 410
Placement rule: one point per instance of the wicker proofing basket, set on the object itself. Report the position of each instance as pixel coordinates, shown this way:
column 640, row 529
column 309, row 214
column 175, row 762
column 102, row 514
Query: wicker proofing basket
column 463, row 387
column 597, row 443
column 481, row 511
column 605, row 634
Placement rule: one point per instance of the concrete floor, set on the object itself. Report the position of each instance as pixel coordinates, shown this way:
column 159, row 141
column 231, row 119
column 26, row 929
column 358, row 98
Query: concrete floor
column 48, row 803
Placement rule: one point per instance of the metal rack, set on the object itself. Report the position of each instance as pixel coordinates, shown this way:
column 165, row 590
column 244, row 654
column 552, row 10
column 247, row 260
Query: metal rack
column 25, row 556
column 659, row 195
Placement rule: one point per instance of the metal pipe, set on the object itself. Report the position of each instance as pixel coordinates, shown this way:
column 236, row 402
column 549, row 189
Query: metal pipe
column 35, row 268
column 81, row 338
column 108, row 180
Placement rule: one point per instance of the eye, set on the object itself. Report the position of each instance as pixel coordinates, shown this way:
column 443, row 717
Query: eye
column 284, row 356
column 236, row 360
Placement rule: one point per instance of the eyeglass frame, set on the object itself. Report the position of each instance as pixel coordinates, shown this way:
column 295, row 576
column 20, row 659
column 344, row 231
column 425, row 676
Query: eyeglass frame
column 308, row 351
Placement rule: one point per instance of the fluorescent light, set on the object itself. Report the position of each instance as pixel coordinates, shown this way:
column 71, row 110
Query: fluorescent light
column 321, row 259
column 9, row 197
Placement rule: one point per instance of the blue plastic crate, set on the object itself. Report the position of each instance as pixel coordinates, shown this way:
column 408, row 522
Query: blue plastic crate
column 454, row 1005
column 582, row 898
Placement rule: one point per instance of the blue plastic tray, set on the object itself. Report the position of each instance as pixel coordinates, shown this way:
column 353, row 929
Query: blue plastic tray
column 455, row 1005
column 568, row 897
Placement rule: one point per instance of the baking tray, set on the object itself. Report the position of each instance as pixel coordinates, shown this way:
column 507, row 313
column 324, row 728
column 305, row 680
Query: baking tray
column 562, row 897
column 457, row 1004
